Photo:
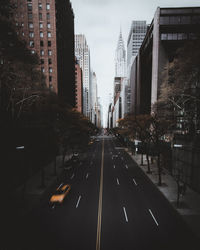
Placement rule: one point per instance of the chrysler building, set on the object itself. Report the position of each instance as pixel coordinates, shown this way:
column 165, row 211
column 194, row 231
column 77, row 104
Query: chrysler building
column 120, row 58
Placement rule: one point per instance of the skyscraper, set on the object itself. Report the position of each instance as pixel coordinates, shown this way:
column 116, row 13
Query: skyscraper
column 120, row 58
column 94, row 100
column 78, row 87
column 82, row 53
column 136, row 36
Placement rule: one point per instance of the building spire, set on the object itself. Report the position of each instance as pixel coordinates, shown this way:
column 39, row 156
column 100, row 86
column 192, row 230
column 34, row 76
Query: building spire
column 120, row 57
column 120, row 44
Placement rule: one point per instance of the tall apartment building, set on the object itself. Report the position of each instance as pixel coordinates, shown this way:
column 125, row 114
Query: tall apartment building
column 94, row 98
column 82, row 53
column 136, row 36
column 48, row 28
column 120, row 58
column 78, row 87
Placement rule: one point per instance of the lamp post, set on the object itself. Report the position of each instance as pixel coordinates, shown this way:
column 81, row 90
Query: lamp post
column 24, row 186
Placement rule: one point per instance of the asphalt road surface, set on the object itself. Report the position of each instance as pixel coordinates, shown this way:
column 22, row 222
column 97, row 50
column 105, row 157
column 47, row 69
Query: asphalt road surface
column 112, row 205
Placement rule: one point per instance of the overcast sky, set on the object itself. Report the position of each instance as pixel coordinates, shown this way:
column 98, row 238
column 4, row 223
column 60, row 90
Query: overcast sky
column 100, row 21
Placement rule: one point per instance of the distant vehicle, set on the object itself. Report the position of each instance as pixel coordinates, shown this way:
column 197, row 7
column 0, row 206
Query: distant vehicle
column 91, row 141
column 72, row 161
column 60, row 194
column 75, row 158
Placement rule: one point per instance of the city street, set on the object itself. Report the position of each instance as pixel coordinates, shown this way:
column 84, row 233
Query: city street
column 111, row 205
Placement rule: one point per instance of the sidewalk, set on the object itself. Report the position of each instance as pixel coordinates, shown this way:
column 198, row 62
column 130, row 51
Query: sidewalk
column 34, row 193
column 189, row 207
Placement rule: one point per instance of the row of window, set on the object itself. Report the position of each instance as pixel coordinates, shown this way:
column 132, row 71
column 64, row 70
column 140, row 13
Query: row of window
column 43, row 69
column 30, row 6
column 195, row 19
column 49, row 61
column 31, row 26
column 30, row 16
column 31, row 44
column 178, row 36
column 31, row 34
column 42, row 52
column 180, row 11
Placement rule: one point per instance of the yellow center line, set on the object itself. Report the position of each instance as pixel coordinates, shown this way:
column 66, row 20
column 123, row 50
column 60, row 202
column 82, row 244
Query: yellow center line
column 98, row 241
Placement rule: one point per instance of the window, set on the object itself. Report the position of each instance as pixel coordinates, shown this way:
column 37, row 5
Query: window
column 22, row 24
column 41, row 43
column 48, row 16
column 41, row 34
column 50, row 86
column 174, row 36
column 48, row 6
column 170, row 36
column 40, row 16
column 49, row 52
column 174, row 19
column 50, row 70
column 49, row 43
column 163, row 36
column 30, row 16
column 49, row 34
column 41, row 25
column 31, row 34
column 42, row 52
column 185, row 19
column 30, row 25
column 31, row 44
column 29, row 6
column 196, row 19
column 164, row 20
column 50, row 78
column 182, row 36
column 49, row 61
column 48, row 25
column 40, row 6
column 42, row 69
column 192, row 36
column 32, row 51
column 42, row 61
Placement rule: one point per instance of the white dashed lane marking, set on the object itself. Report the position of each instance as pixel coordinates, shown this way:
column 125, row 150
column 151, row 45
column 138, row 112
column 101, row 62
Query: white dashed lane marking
column 153, row 217
column 79, row 198
column 134, row 182
column 125, row 214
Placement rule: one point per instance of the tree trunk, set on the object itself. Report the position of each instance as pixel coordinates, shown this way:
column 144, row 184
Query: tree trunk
column 142, row 164
column 159, row 171
column 42, row 178
column 148, row 164
column 178, row 194
column 63, row 159
column 55, row 165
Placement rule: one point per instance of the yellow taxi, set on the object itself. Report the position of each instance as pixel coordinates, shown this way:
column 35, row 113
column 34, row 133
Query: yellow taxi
column 60, row 194
column 91, row 142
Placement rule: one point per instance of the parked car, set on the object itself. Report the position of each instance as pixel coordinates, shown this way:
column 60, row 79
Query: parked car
column 60, row 194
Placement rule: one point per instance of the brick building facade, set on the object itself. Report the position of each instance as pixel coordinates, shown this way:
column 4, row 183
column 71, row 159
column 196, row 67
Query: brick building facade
column 48, row 28
column 78, row 88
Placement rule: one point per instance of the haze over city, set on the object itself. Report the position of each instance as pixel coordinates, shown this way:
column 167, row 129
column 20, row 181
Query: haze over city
column 100, row 21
